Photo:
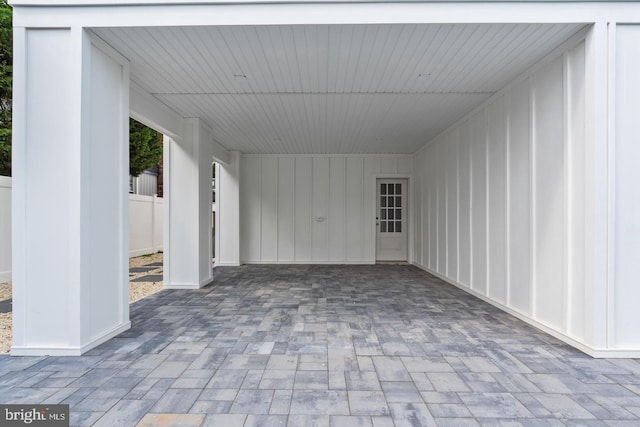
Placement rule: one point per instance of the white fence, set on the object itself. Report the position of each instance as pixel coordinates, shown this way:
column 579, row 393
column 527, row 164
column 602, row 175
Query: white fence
column 145, row 226
column 5, row 229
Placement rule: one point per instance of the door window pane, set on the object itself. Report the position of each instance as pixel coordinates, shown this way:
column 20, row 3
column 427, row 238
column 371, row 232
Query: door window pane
column 398, row 201
column 390, row 213
column 391, row 187
column 383, row 226
column 398, row 213
column 391, row 201
column 383, row 213
column 383, row 188
column 398, row 226
column 383, row 201
column 398, row 188
column 391, row 226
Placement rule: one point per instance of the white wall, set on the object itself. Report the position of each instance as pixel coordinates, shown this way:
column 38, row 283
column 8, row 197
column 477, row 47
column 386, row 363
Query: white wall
column 5, row 229
column 500, row 197
column 145, row 224
column 311, row 209
column 625, row 176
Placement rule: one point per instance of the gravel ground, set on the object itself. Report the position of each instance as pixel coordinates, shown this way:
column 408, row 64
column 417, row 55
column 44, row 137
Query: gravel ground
column 137, row 291
column 5, row 291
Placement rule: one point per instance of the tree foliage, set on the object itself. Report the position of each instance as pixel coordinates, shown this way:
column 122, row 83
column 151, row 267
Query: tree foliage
column 6, row 74
column 145, row 148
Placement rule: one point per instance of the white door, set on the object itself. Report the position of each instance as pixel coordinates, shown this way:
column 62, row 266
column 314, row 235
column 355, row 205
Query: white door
column 391, row 220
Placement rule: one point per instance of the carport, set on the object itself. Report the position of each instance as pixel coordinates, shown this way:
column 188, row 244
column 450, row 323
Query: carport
column 506, row 131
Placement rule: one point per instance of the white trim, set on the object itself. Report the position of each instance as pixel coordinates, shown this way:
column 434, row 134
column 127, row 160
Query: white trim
column 71, row 350
column 410, row 203
column 200, row 285
column 611, row 179
column 361, row 155
column 567, row 190
column 593, row 352
column 223, row 2
column 143, row 251
column 310, row 262
column 166, row 208
column 227, row 264
column 43, row 13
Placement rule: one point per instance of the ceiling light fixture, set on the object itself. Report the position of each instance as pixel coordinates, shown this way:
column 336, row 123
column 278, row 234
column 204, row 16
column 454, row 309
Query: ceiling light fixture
column 424, row 75
column 239, row 76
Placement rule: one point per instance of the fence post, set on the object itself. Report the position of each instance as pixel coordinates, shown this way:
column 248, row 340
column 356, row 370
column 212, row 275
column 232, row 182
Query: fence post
column 154, row 202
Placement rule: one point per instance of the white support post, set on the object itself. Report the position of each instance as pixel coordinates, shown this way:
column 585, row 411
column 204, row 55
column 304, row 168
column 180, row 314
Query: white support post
column 70, row 209
column 596, row 184
column 228, row 211
column 188, row 208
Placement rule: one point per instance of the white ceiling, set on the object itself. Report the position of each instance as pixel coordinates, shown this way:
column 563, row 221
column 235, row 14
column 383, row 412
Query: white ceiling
column 330, row 89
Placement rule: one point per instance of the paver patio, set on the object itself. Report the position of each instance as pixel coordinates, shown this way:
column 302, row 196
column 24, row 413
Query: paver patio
column 376, row 345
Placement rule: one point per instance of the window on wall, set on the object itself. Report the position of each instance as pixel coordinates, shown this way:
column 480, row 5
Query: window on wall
column 390, row 208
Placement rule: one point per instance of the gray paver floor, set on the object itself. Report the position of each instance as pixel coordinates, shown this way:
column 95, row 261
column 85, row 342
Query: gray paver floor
column 376, row 345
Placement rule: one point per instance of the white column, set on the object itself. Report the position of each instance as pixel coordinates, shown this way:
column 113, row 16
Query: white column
column 70, row 212
column 228, row 210
column 624, row 156
column 596, row 187
column 188, row 208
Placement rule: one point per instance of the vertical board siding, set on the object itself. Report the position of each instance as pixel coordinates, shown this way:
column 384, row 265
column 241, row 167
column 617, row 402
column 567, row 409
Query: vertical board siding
column 432, row 206
column 311, row 209
column 519, row 209
column 496, row 193
column 388, row 165
column 354, row 208
column 549, row 194
column 371, row 168
column 269, row 209
column 320, row 211
column 451, row 173
column 286, row 209
column 441, row 175
column 577, row 156
column 479, row 202
column 250, row 209
column 416, row 195
column 303, row 212
column 464, row 211
column 336, row 224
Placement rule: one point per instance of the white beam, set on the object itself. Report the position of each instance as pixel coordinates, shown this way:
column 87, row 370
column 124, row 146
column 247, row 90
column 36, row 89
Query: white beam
column 147, row 109
column 220, row 153
column 32, row 13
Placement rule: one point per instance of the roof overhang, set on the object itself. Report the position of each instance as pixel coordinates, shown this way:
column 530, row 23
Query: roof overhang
column 324, row 76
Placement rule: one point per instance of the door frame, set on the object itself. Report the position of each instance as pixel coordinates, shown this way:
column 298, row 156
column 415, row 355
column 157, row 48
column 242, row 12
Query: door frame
column 410, row 216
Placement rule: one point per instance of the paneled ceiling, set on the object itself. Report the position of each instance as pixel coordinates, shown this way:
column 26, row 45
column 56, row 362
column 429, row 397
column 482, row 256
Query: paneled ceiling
column 330, row 89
